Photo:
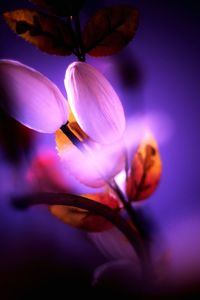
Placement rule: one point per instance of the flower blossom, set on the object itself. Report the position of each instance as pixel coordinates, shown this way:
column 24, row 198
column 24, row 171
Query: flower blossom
column 93, row 113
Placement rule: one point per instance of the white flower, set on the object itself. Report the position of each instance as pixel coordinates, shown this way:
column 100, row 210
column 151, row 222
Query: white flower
column 94, row 103
column 36, row 102
column 31, row 98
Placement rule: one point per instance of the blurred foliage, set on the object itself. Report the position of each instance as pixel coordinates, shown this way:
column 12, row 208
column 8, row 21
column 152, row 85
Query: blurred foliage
column 110, row 30
column 50, row 34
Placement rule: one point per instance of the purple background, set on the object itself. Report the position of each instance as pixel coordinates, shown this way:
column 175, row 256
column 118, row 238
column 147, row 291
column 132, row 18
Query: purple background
column 36, row 248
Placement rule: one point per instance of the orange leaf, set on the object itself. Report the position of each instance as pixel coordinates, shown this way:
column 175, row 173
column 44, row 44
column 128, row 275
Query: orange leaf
column 48, row 33
column 110, row 29
column 108, row 199
column 145, row 171
column 84, row 219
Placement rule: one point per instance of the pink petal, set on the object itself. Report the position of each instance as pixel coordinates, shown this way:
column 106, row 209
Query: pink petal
column 93, row 166
column 46, row 174
column 80, row 167
column 31, row 98
column 94, row 103
column 113, row 244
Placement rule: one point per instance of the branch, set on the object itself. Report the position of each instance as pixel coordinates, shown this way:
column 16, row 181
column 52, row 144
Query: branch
column 95, row 207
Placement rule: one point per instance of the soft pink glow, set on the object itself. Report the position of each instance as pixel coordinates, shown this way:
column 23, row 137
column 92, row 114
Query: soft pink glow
column 45, row 174
column 100, row 163
column 31, row 98
column 97, row 164
column 94, row 103
column 156, row 123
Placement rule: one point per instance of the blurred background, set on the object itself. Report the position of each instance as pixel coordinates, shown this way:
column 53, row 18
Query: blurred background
column 157, row 77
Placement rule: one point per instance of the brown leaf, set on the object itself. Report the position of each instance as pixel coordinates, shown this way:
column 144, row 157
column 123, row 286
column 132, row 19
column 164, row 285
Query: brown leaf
column 145, row 171
column 110, row 29
column 84, row 219
column 48, row 33
column 60, row 7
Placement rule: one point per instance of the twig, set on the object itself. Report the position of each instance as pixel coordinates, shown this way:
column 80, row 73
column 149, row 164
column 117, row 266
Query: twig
column 95, row 207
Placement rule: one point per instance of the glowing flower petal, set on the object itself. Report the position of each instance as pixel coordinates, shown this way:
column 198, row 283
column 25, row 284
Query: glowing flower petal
column 92, row 166
column 31, row 98
column 113, row 244
column 94, row 103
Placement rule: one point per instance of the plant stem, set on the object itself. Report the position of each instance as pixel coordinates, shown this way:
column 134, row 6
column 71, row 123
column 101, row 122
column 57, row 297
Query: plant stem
column 79, row 38
column 75, row 28
column 69, row 22
column 80, row 53
column 130, row 211
column 114, row 186
column 95, row 207
column 126, row 204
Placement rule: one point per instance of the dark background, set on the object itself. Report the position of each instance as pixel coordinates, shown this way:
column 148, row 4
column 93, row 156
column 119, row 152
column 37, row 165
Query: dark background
column 39, row 254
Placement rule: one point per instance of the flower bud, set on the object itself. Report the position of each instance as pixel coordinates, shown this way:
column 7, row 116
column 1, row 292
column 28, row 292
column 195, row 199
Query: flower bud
column 31, row 98
column 94, row 103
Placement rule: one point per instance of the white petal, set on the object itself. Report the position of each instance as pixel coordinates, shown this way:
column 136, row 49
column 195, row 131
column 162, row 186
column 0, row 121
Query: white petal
column 31, row 98
column 94, row 103
column 113, row 244
column 92, row 166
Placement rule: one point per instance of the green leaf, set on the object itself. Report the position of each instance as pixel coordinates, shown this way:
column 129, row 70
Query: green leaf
column 110, row 30
column 60, row 7
column 48, row 33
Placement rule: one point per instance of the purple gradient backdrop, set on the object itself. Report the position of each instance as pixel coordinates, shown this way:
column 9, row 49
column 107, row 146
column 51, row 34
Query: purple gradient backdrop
column 166, row 66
